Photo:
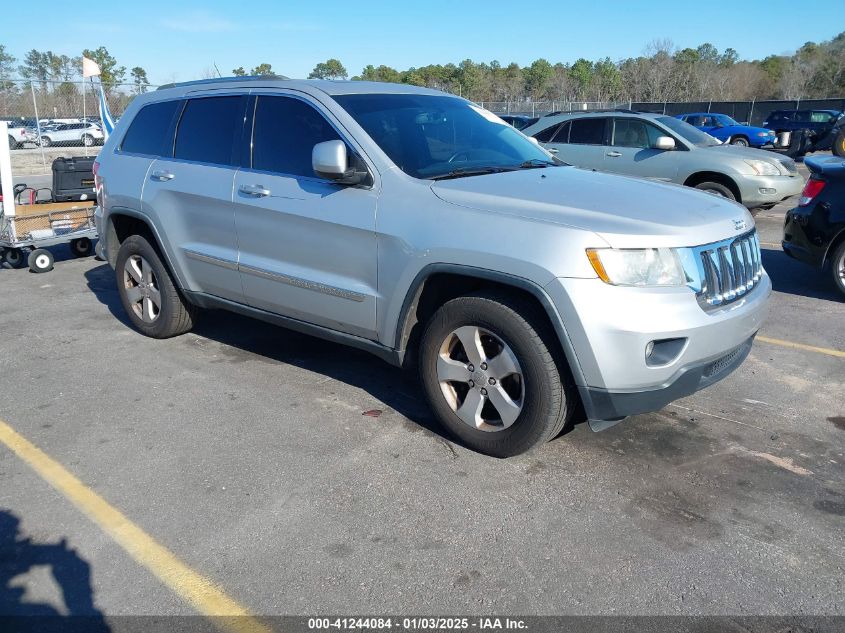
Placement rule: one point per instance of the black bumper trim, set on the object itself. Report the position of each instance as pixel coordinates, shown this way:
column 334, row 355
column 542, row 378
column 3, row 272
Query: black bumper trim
column 604, row 407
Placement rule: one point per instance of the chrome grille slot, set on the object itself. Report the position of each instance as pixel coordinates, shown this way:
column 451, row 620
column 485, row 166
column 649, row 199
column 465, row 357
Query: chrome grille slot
column 729, row 269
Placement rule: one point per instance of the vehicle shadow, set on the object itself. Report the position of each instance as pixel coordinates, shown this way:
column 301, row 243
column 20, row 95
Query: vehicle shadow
column 397, row 389
column 792, row 277
column 18, row 556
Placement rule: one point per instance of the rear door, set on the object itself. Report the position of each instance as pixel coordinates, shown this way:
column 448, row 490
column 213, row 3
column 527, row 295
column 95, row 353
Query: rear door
column 307, row 245
column 190, row 193
column 581, row 142
column 631, row 151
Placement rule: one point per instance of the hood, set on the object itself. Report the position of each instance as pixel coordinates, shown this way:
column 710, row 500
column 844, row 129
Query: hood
column 745, row 153
column 625, row 212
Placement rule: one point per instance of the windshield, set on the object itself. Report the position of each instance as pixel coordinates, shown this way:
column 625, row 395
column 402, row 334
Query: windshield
column 688, row 132
column 432, row 136
column 725, row 120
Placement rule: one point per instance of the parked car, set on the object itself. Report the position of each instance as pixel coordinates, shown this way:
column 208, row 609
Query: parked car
column 87, row 134
column 519, row 121
column 416, row 225
column 724, row 128
column 824, row 126
column 663, row 148
column 18, row 135
column 814, row 231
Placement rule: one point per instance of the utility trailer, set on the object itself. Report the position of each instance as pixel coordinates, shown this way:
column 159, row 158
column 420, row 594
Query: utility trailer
column 26, row 230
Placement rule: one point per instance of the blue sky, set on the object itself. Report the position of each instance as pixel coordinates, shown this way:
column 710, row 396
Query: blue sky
column 177, row 41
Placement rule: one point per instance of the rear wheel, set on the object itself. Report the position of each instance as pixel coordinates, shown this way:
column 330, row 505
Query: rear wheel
column 81, row 247
column 45, row 141
column 717, row 189
column 12, row 142
column 839, row 143
column 491, row 376
column 151, row 300
column 13, row 257
column 838, row 268
column 87, row 140
column 739, row 140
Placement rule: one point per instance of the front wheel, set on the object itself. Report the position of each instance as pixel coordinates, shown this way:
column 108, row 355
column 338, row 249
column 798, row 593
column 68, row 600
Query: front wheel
column 717, row 189
column 40, row 261
column 81, row 247
column 838, row 268
column 87, row 140
column 741, row 141
column 45, row 141
column 13, row 257
column 491, row 375
column 150, row 298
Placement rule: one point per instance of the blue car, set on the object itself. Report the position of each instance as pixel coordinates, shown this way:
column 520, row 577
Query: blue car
column 727, row 130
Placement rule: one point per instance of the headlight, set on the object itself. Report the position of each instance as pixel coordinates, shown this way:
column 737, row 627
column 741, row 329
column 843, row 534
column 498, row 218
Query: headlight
column 637, row 267
column 763, row 167
column 763, row 133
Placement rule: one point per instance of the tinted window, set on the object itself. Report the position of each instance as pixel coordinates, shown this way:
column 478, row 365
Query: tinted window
column 208, row 129
column 587, row 132
column 149, row 130
column 562, row 135
column 821, row 117
column 802, row 115
column 285, row 132
column 544, row 136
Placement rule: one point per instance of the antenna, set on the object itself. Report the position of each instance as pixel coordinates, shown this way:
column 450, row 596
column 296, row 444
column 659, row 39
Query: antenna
column 217, row 69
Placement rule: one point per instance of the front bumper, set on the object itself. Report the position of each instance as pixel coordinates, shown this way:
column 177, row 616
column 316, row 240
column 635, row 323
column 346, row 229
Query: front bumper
column 758, row 191
column 611, row 327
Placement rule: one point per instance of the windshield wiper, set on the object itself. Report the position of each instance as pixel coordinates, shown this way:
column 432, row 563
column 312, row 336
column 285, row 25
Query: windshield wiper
column 470, row 171
column 537, row 163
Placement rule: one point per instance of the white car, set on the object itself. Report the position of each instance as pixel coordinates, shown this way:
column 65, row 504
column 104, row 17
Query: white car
column 18, row 135
column 87, row 134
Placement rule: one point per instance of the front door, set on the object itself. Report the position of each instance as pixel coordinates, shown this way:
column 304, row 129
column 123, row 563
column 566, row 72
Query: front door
column 307, row 245
column 631, row 151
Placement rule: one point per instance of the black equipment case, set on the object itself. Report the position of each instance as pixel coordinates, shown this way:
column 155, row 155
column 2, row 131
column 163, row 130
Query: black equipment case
column 73, row 179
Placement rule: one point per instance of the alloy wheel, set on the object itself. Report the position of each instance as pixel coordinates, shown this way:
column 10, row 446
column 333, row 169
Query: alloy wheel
column 480, row 378
column 141, row 287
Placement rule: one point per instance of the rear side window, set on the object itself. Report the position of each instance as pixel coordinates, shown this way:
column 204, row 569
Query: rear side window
column 150, row 130
column 209, row 129
column 562, row 135
column 544, row 136
column 587, row 132
column 285, row 132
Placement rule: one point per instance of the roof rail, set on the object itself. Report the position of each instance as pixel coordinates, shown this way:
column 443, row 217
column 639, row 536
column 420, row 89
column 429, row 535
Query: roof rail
column 200, row 82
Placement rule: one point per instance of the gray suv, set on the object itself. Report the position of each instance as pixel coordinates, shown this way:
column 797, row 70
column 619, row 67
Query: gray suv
column 422, row 228
column 664, row 148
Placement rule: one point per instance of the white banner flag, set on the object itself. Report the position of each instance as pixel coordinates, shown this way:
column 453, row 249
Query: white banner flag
column 89, row 68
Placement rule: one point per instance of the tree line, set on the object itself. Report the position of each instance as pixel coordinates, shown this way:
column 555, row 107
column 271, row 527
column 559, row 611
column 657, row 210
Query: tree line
column 662, row 72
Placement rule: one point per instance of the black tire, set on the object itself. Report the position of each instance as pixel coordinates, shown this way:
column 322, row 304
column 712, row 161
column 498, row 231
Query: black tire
column 741, row 141
column 839, row 144
column 81, row 247
column 40, row 260
column 87, row 140
column 547, row 400
column 13, row 257
column 717, row 189
column 837, row 267
column 13, row 144
column 45, row 141
column 176, row 315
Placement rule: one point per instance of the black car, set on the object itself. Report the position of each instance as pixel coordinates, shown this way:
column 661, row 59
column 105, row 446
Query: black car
column 826, row 128
column 519, row 121
column 814, row 232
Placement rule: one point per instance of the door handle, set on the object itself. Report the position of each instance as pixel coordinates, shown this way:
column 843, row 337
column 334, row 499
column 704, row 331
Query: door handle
column 254, row 190
column 552, row 150
column 614, row 154
column 162, row 175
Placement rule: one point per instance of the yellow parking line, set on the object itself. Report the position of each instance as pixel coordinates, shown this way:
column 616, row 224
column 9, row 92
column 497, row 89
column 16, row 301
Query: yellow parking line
column 807, row 348
column 195, row 589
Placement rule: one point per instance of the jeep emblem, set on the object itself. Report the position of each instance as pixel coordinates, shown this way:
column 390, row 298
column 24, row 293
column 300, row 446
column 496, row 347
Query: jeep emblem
column 739, row 224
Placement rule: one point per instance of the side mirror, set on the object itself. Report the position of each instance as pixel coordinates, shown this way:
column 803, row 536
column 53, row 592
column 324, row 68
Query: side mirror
column 533, row 140
column 330, row 160
column 665, row 143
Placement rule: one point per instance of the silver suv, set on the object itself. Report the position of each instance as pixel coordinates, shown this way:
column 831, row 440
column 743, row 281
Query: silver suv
column 420, row 227
column 664, row 148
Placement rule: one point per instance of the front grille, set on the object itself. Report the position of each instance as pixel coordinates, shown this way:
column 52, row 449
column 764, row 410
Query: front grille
column 729, row 269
